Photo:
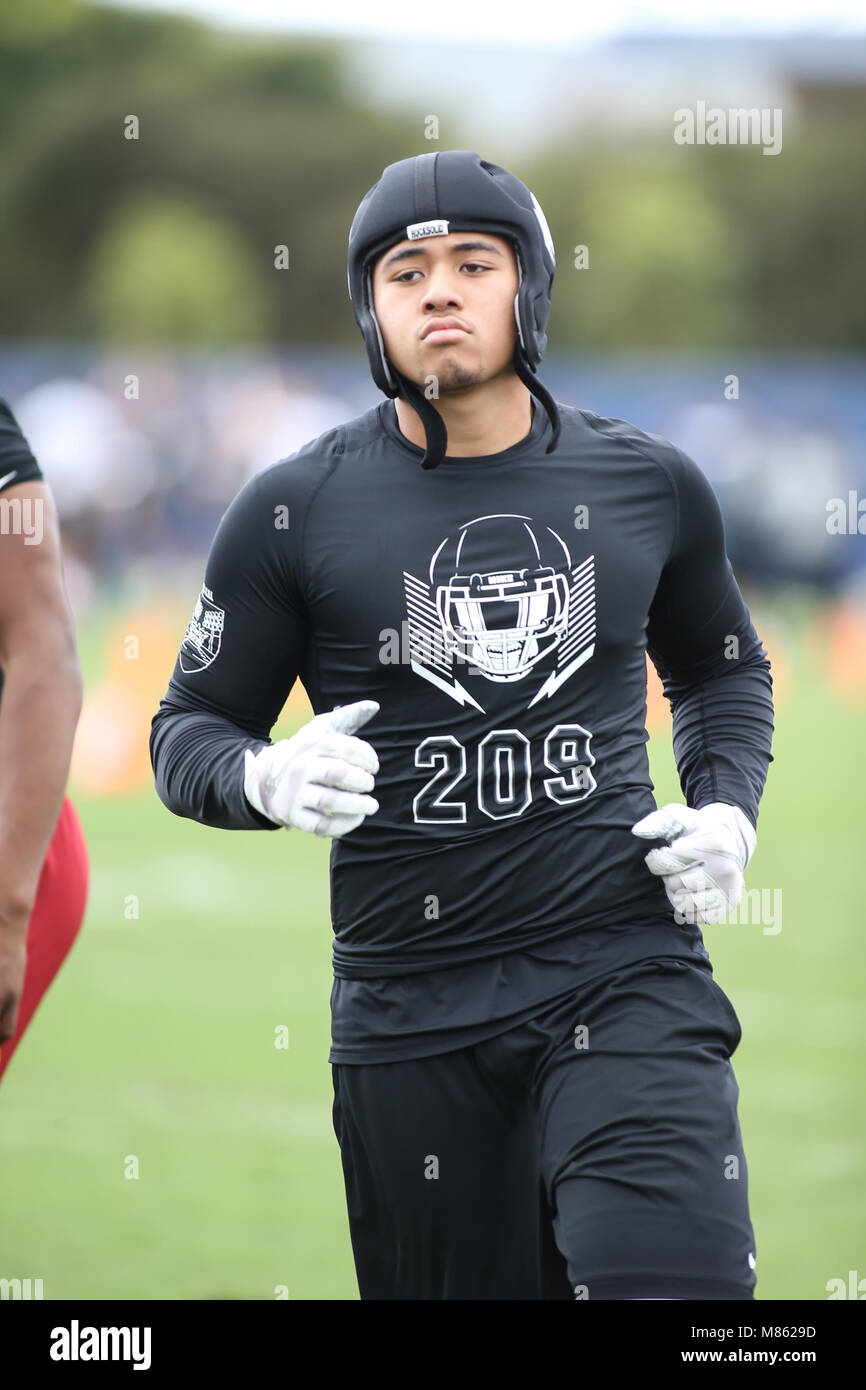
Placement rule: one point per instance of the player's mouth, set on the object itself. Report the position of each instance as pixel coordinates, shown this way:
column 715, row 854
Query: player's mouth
column 443, row 331
column 446, row 335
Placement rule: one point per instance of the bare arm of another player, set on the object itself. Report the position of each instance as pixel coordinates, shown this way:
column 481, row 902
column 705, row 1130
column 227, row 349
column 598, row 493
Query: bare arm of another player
column 39, row 711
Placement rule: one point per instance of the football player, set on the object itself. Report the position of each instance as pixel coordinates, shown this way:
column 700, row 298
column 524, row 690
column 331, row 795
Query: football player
column 43, row 855
column 531, row 1059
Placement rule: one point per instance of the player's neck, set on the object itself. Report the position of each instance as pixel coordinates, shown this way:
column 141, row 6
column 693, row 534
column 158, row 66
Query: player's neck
column 484, row 421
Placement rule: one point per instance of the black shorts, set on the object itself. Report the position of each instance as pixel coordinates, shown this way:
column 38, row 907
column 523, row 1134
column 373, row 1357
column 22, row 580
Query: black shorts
column 593, row 1152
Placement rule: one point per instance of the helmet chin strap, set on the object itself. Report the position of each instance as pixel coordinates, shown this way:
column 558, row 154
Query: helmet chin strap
column 541, row 393
column 434, row 425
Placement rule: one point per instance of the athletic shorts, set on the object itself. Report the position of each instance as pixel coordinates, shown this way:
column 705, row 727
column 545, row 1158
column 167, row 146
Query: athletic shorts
column 593, row 1152
column 58, row 911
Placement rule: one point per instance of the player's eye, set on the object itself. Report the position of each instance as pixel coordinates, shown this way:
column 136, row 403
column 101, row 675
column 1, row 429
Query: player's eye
column 467, row 265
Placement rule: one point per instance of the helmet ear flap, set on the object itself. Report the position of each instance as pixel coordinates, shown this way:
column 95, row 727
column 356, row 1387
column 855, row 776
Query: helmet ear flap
column 532, row 340
column 518, row 314
column 385, row 364
column 382, row 372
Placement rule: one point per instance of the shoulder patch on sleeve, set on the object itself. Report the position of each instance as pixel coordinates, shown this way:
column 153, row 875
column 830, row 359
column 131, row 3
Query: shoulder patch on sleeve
column 201, row 644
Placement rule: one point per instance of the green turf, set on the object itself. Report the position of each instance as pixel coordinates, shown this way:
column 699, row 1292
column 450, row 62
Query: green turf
column 157, row 1041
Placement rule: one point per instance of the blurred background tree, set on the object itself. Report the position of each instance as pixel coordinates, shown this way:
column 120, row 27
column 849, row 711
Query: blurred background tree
column 244, row 144
column 247, row 143
column 166, row 272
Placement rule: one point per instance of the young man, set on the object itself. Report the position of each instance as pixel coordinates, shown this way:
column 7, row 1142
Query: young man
column 533, row 1092
column 43, row 855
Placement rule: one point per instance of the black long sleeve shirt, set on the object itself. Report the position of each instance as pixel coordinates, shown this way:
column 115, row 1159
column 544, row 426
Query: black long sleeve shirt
column 499, row 609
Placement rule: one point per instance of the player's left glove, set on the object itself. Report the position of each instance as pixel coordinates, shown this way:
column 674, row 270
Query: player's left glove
column 702, row 868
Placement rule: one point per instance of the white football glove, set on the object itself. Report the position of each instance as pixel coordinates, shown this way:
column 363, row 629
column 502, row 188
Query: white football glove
column 317, row 780
column 702, row 869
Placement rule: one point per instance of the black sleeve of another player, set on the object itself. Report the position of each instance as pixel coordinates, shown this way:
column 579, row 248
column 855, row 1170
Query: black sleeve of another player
column 714, row 670
column 225, row 695
column 16, row 457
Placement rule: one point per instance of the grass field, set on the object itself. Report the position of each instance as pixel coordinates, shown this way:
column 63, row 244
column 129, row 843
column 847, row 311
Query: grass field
column 157, row 1041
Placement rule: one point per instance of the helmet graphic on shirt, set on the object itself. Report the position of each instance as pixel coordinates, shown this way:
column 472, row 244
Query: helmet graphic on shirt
column 501, row 590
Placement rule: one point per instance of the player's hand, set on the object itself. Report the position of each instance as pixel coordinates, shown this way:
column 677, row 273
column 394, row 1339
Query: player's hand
column 320, row 779
column 702, row 867
column 13, row 958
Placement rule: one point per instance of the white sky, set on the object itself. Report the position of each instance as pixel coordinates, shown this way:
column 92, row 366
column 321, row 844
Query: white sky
column 511, row 22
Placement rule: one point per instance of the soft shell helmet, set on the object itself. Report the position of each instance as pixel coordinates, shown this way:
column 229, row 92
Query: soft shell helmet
column 432, row 195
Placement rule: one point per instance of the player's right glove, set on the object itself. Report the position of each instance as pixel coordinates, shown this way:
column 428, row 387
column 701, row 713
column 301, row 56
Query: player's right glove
column 317, row 780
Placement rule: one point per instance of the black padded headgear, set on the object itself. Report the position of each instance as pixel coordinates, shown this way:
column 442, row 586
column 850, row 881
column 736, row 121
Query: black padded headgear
column 433, row 195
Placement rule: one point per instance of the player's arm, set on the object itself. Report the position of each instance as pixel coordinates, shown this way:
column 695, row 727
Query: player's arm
column 245, row 646
column 716, row 676
column 41, row 696
column 714, row 670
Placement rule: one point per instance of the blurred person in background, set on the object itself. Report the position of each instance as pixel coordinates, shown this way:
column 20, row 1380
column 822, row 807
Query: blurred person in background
column 43, row 855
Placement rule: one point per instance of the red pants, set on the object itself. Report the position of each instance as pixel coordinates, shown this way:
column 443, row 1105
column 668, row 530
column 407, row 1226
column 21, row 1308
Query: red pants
column 57, row 915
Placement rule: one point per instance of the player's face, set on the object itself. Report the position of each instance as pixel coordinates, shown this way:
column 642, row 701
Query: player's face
column 467, row 278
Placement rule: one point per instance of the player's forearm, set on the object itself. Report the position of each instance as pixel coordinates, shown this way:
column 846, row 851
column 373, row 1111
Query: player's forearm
column 41, row 704
column 198, row 765
column 723, row 733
